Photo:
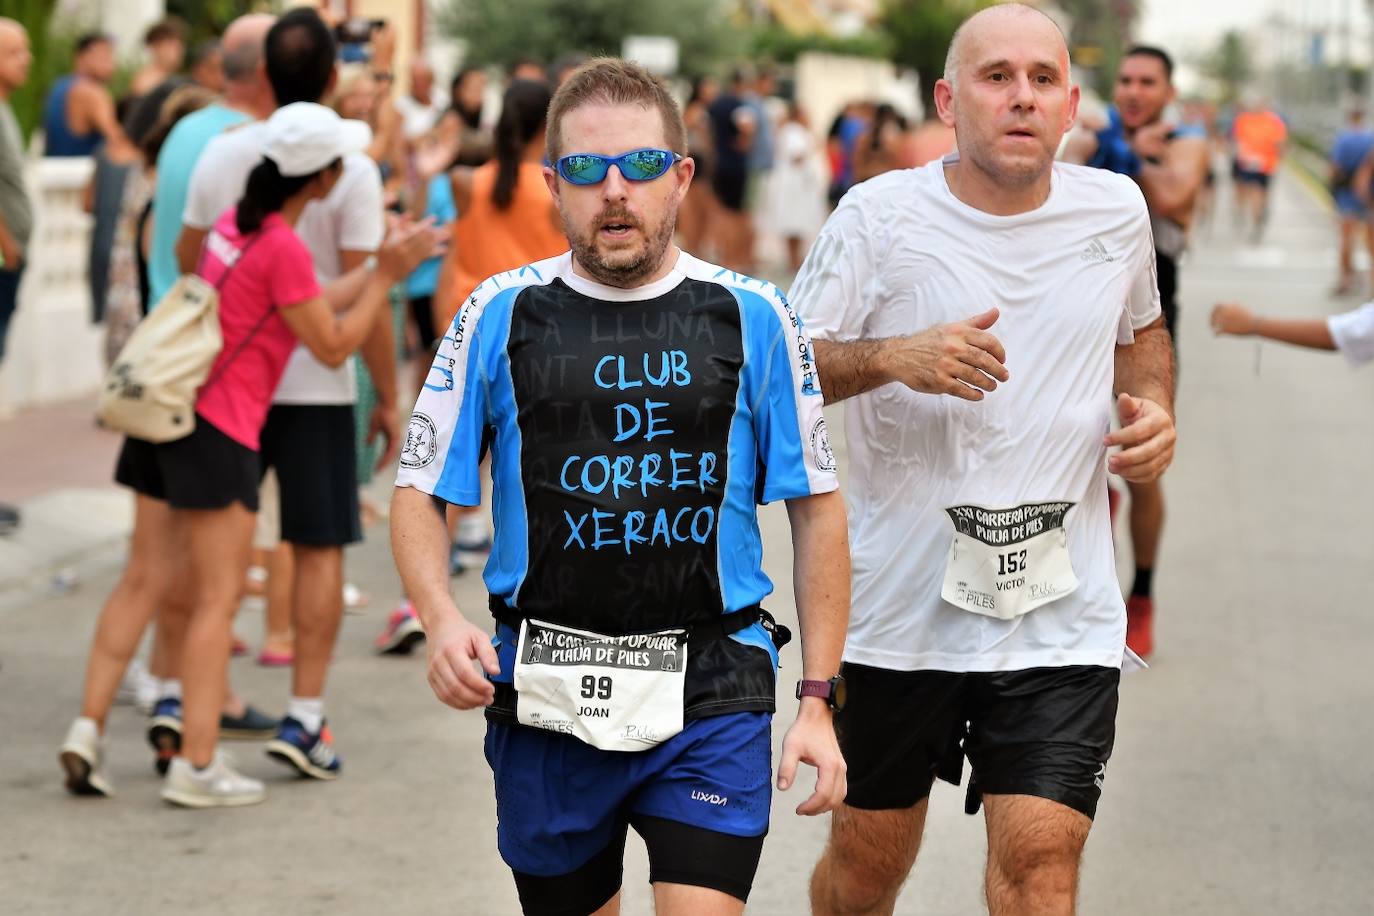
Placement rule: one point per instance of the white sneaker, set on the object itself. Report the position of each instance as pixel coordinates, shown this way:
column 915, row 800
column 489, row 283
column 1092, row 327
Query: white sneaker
column 138, row 688
column 220, row 785
column 81, row 756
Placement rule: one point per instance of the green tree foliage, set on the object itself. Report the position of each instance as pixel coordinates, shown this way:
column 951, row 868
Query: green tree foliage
column 207, row 18
column 1102, row 32
column 920, row 30
column 777, row 44
column 500, row 32
column 1229, row 64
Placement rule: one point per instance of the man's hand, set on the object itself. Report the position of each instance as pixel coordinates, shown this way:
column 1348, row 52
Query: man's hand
column 383, row 42
column 385, row 422
column 1146, row 437
column 811, row 739
column 1152, row 140
column 1232, row 318
column 961, row 359
column 455, row 648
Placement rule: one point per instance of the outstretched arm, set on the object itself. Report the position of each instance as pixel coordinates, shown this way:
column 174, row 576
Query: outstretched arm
column 1238, row 321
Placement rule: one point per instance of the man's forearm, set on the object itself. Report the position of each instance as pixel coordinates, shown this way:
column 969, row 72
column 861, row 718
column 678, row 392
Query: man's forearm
column 419, row 543
column 851, row 367
column 1145, row 369
column 1170, row 195
column 820, row 578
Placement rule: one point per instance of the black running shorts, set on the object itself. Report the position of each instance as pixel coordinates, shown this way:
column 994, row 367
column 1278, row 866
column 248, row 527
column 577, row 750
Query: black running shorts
column 422, row 313
column 1166, row 276
column 730, row 187
column 312, row 448
column 1045, row 732
column 205, row 470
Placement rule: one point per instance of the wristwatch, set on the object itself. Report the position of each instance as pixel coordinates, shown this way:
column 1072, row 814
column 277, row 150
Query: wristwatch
column 832, row 691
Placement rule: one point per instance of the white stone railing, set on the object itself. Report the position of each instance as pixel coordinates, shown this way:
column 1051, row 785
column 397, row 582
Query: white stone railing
column 53, row 352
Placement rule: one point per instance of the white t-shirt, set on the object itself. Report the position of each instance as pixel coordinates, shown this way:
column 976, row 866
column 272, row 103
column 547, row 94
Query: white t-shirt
column 1072, row 278
column 349, row 219
column 417, row 118
column 1353, row 333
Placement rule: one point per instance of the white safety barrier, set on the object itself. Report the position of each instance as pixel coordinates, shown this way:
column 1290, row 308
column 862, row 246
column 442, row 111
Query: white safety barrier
column 54, row 351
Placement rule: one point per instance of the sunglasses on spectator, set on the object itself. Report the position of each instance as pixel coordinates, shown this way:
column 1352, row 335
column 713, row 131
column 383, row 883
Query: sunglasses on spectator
column 636, row 165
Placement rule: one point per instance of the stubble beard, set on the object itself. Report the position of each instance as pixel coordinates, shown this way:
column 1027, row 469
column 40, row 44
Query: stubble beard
column 625, row 274
column 1011, row 176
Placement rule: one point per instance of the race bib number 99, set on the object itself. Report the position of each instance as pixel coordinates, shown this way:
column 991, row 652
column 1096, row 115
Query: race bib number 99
column 1007, row 562
column 616, row 693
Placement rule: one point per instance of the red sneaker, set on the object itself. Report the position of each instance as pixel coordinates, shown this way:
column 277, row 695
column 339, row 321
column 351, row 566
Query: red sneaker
column 1140, row 617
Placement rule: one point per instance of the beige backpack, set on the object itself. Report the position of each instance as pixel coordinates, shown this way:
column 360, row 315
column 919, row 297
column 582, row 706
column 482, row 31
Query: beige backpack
column 150, row 390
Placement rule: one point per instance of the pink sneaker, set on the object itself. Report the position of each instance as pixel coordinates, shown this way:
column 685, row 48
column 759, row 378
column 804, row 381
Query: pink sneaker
column 403, row 631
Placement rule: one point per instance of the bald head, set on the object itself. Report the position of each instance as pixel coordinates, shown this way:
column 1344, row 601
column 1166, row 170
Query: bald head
column 14, row 56
column 988, row 25
column 421, row 79
column 241, row 47
column 11, row 33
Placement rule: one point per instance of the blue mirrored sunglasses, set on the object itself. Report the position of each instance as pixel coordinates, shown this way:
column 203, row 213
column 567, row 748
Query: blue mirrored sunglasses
column 636, row 165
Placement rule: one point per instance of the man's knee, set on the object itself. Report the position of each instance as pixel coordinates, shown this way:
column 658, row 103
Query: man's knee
column 316, row 558
column 1034, row 846
column 867, row 858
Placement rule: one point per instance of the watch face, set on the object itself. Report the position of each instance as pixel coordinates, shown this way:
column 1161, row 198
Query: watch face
column 838, row 692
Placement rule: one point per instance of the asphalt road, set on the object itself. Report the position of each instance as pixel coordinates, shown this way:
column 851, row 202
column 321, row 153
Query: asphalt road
column 1241, row 782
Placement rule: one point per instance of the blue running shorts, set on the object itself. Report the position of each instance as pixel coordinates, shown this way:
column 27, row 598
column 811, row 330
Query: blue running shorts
column 700, row 800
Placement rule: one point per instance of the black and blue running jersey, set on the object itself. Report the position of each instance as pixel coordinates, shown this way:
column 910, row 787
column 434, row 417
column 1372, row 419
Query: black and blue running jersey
column 633, row 434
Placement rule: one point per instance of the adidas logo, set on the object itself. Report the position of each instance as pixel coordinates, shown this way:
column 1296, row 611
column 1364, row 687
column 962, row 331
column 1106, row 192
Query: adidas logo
column 1096, row 252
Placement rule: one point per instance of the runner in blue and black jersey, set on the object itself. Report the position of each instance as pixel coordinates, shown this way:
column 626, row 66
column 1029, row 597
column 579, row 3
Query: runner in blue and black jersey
column 638, row 404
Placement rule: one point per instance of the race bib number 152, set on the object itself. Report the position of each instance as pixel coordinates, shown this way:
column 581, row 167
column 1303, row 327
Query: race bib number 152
column 1007, row 562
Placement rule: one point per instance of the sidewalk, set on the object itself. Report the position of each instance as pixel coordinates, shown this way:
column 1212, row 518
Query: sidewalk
column 58, row 469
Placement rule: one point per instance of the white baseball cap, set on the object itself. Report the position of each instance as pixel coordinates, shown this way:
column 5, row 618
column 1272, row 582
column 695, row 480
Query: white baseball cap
column 303, row 137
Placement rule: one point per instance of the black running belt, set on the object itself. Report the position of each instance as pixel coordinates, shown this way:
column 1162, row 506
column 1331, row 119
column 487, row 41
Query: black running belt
column 721, row 627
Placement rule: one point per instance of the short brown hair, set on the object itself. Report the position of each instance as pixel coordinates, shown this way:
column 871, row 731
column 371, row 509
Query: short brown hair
column 612, row 81
column 172, row 28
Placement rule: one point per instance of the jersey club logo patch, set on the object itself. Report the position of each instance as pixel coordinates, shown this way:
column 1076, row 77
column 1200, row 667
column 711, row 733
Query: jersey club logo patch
column 820, row 446
column 422, row 442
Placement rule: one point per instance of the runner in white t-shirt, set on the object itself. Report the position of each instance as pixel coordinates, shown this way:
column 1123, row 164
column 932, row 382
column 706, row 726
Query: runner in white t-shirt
column 987, row 618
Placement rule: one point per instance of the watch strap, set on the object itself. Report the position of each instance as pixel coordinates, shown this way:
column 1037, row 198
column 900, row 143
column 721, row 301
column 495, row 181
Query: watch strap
column 820, row 689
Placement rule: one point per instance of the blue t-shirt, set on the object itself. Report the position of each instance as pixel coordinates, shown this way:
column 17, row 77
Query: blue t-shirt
column 438, row 204
column 1114, row 152
column 175, row 163
column 59, row 139
column 632, row 434
column 1350, row 149
column 761, row 152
